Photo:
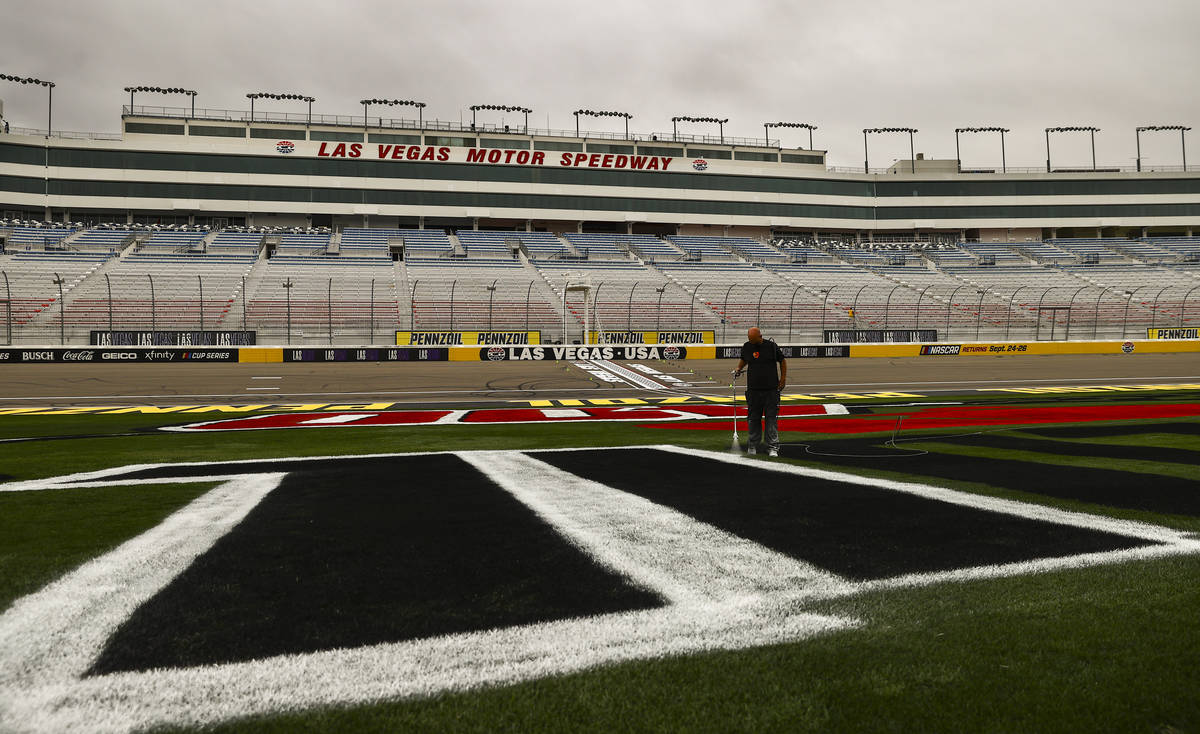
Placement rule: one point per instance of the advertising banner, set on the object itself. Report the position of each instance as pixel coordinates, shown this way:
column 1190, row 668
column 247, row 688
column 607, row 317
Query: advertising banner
column 556, row 353
column 1188, row 333
column 805, row 351
column 652, row 337
column 367, row 354
column 172, row 338
column 878, row 336
column 466, row 338
column 115, row 354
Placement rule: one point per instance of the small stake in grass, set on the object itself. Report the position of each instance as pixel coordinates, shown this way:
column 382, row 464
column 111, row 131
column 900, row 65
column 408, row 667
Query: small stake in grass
column 735, row 446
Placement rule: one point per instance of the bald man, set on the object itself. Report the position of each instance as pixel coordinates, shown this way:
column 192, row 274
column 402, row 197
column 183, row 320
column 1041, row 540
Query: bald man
column 763, row 388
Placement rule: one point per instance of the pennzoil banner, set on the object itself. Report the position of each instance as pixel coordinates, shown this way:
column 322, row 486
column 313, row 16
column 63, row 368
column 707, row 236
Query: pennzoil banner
column 652, row 337
column 466, row 338
column 1189, row 333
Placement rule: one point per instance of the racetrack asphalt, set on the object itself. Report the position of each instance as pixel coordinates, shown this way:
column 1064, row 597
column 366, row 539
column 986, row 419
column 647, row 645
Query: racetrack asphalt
column 502, row 383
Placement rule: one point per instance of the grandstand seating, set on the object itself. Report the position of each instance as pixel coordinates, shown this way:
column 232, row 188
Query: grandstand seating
column 446, row 281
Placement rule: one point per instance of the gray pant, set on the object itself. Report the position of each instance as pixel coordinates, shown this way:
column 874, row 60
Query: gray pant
column 763, row 407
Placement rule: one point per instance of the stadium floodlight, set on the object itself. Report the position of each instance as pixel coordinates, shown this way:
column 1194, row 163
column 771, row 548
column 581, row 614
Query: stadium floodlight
column 912, row 156
column 162, row 90
column 1001, row 130
column 49, row 94
column 1072, row 129
column 595, row 113
column 802, row 125
column 501, row 108
column 275, row 95
column 1154, row 128
column 394, row 103
column 683, row 118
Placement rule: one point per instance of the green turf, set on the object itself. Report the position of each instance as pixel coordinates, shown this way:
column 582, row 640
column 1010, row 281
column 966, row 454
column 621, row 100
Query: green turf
column 1102, row 649
column 45, row 534
column 1109, row 649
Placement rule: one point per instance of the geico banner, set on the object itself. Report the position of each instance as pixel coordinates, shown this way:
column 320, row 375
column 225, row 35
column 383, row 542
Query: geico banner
column 498, row 354
column 27, row 356
column 466, row 338
column 652, row 337
column 366, row 354
column 1190, row 333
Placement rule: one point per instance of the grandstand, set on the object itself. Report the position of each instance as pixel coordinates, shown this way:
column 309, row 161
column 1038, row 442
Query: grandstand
column 305, row 245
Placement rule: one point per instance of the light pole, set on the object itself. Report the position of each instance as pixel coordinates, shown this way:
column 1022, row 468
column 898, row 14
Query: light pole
column 912, row 156
column 49, row 95
column 1001, row 130
column 1073, row 129
column 1148, row 128
column 594, row 113
column 161, row 90
column 803, row 125
column 501, row 108
column 676, row 120
column 394, row 103
column 273, row 95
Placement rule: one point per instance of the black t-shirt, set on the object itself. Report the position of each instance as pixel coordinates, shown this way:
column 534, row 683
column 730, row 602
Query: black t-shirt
column 760, row 361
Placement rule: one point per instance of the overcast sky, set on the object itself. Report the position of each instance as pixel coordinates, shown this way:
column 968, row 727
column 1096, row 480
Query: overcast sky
column 842, row 65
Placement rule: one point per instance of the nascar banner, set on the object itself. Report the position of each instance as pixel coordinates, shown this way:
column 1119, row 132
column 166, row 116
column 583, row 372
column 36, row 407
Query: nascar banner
column 652, row 337
column 1189, row 333
column 466, row 338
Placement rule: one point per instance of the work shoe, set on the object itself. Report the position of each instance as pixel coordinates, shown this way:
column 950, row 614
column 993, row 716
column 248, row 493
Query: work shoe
column 751, row 450
column 773, row 452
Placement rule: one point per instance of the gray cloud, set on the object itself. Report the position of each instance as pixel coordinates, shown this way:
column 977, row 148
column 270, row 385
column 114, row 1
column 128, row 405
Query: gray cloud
column 929, row 64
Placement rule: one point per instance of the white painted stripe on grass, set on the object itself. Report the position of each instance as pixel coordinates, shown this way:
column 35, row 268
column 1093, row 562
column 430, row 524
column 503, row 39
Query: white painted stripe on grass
column 1130, row 528
column 337, row 419
column 50, row 638
column 62, row 629
column 657, row 547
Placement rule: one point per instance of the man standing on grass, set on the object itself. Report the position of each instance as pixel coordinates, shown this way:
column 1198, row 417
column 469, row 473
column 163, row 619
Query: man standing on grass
column 763, row 388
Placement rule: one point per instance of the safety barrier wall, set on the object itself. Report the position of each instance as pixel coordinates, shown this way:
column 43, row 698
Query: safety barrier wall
column 260, row 355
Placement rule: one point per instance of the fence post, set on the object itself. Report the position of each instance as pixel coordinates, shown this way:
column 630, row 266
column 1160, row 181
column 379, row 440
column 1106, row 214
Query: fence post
column 792, row 311
column 1070, row 307
column 453, row 285
column 528, row 293
column 62, row 313
column 824, row 303
column 887, row 307
column 371, row 339
column 758, row 315
column 658, row 316
column 979, row 314
column 412, row 306
column 1011, row 299
column 629, row 308
column 725, row 312
column 1096, row 312
column 200, row 280
column 1182, row 308
column 153, row 309
column 491, row 298
column 108, row 285
column 949, row 304
column 920, row 297
column 243, row 303
column 854, row 308
column 287, row 289
column 329, row 310
column 1154, row 308
column 7, row 310
column 692, row 308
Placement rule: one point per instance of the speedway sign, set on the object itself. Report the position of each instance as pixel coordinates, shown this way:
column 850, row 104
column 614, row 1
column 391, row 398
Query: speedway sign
column 558, row 353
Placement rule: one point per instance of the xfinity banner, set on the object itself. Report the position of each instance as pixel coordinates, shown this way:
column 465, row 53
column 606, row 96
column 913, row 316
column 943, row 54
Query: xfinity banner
column 497, row 354
column 173, row 338
column 117, row 354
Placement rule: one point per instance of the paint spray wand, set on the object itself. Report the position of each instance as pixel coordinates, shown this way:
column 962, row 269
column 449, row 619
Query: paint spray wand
column 735, row 446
